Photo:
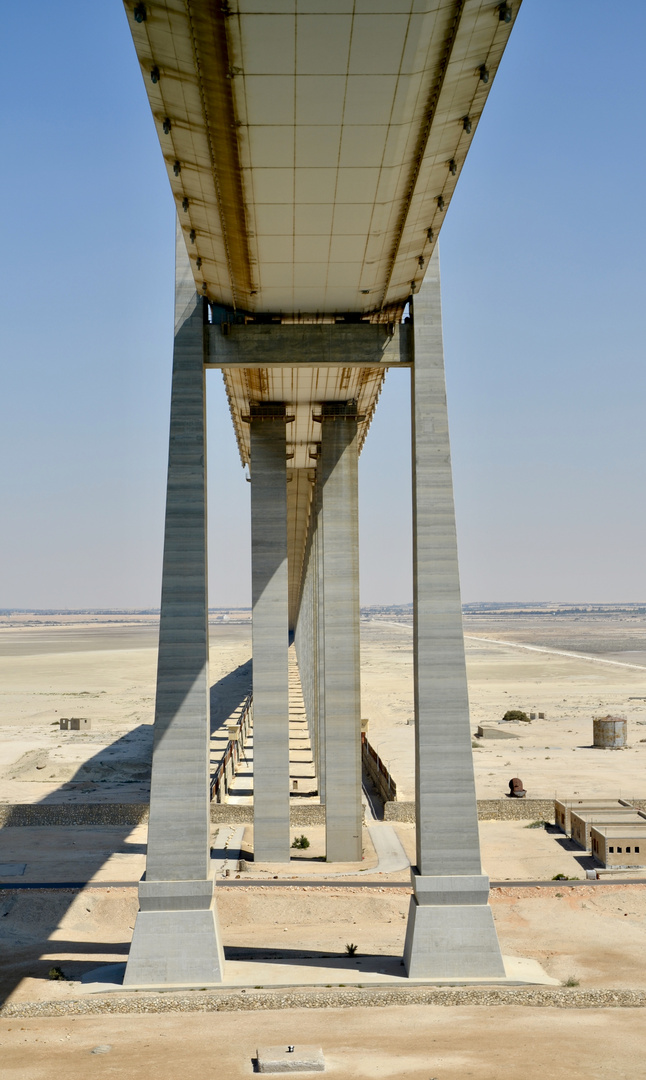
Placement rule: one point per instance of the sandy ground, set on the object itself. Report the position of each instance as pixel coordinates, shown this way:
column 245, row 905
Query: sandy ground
column 107, row 673
column 552, row 756
column 510, row 852
column 596, row 935
column 414, row 1043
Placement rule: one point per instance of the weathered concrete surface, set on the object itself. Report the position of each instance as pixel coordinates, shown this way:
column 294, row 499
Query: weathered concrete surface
column 270, row 638
column 280, row 1059
column 456, row 938
column 339, row 642
column 172, row 945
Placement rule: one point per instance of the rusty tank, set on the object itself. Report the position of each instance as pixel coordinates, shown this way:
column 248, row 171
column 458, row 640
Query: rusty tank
column 610, row 732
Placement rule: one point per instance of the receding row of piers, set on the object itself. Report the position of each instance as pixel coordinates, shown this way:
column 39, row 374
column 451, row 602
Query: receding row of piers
column 450, row 930
column 326, row 632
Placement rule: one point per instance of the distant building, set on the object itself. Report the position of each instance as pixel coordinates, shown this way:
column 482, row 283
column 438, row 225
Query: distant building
column 74, row 723
column 619, row 845
column 583, row 820
column 563, row 808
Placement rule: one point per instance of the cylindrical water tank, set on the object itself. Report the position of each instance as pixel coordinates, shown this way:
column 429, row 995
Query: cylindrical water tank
column 610, row 731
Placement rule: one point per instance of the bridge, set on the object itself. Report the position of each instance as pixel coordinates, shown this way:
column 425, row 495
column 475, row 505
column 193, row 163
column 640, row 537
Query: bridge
column 312, row 148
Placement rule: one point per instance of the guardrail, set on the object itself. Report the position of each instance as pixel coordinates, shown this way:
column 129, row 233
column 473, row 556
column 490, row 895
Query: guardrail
column 377, row 771
column 226, row 770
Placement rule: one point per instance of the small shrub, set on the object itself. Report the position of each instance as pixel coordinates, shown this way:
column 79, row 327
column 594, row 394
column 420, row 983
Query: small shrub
column 516, row 714
column 571, row 981
column 55, row 973
column 536, row 825
column 564, row 877
column 300, row 842
column 351, row 949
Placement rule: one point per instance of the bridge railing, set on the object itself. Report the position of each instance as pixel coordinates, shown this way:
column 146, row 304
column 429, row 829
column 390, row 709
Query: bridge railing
column 377, row 771
column 226, row 770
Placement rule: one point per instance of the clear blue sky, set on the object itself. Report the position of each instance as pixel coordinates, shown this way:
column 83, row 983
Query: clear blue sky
column 544, row 285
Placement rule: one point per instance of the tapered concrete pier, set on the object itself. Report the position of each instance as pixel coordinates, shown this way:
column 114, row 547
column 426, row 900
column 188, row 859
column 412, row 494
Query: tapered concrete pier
column 176, row 939
column 270, row 632
column 338, row 532
column 450, row 925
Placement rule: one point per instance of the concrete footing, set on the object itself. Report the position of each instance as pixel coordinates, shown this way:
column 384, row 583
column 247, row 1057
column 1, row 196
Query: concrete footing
column 177, row 940
column 451, row 932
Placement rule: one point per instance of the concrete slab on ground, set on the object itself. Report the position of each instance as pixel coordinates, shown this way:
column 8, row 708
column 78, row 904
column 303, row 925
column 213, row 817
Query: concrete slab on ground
column 363, row 971
column 287, row 1059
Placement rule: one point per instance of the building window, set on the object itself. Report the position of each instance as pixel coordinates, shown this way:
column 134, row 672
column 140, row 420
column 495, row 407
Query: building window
column 636, row 851
column 619, row 851
column 611, row 850
column 627, row 851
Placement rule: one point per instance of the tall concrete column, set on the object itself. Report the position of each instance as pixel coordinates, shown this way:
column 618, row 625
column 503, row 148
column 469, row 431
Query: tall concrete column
column 176, row 940
column 450, row 929
column 339, row 603
column 319, row 632
column 270, row 633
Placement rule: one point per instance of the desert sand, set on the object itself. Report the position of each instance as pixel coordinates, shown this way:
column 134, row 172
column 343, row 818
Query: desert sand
column 106, row 672
column 391, row 1043
column 594, row 935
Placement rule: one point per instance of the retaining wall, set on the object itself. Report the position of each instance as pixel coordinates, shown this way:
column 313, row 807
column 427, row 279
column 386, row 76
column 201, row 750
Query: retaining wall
column 131, row 814
column 488, row 810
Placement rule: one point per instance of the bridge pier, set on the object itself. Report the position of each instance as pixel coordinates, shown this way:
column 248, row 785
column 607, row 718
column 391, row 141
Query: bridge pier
column 176, row 939
column 270, row 633
column 450, row 929
column 338, row 536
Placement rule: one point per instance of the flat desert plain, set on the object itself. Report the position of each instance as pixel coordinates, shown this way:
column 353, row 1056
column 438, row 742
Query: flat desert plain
column 103, row 669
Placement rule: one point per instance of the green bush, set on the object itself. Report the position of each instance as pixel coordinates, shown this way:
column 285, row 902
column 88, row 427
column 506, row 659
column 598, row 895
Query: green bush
column 300, row 842
column 517, row 714
column 55, row 973
column 351, row 949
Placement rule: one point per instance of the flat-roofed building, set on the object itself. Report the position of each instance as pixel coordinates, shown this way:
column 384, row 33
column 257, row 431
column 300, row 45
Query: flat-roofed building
column 619, row 845
column 563, row 808
column 583, row 820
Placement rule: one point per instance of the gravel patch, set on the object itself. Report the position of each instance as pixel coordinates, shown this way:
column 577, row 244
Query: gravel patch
column 329, row 998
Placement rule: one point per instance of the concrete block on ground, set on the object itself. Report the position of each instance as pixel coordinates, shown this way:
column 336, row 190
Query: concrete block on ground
column 491, row 731
column 283, row 1059
column 12, row 869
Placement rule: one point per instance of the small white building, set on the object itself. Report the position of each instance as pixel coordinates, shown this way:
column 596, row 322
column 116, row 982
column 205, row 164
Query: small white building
column 74, row 723
column 583, row 820
column 619, row 845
